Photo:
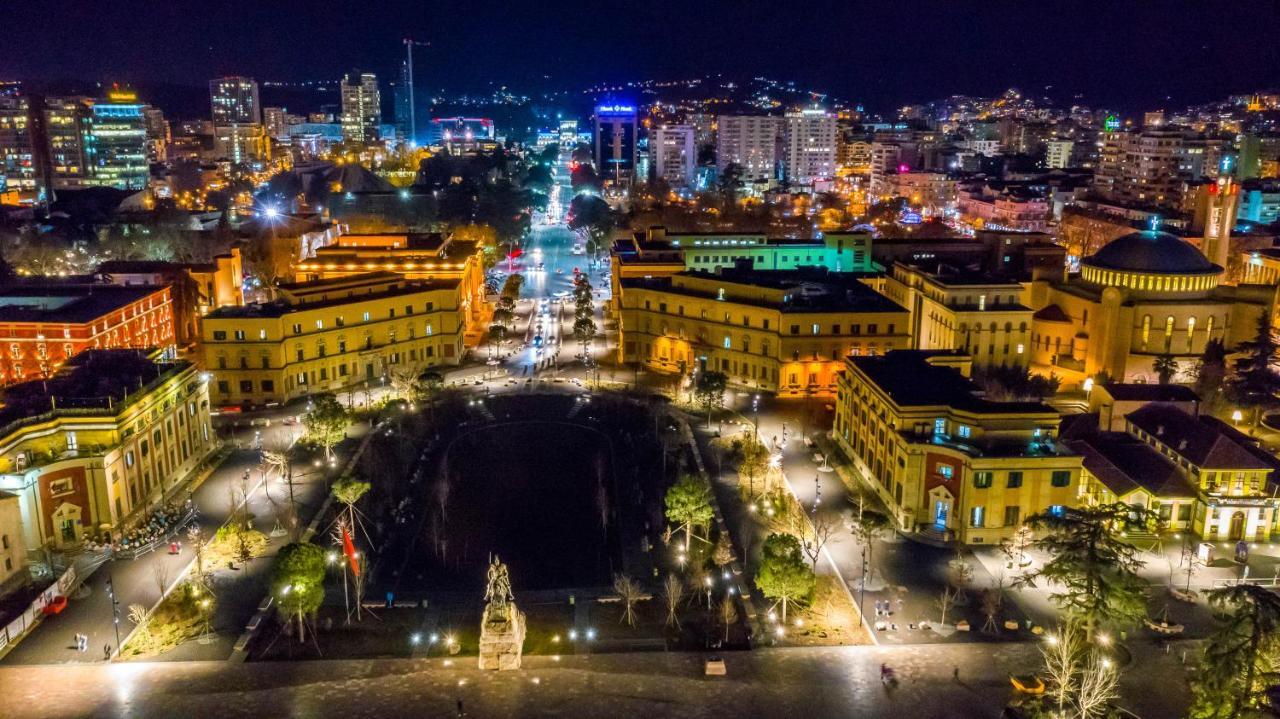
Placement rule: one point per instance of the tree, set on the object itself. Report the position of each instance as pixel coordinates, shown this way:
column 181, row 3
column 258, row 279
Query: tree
column 327, row 421
column 672, row 593
column 689, row 505
column 1062, row 652
column 814, row 533
column 1014, row 547
column 629, row 590
column 783, row 574
column 591, row 215
column 723, row 553
column 1096, row 570
column 753, row 460
column 865, row 528
column 271, row 259
column 730, row 182
column 297, row 582
column 1255, row 382
column 347, row 492
column 584, row 330
column 946, row 601
column 709, row 391
column 1210, row 371
column 728, row 614
column 1242, row 658
column 1165, row 367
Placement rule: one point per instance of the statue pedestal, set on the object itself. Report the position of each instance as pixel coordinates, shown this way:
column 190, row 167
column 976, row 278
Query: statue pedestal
column 501, row 637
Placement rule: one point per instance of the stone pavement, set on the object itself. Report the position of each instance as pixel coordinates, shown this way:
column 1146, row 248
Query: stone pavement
column 813, row 683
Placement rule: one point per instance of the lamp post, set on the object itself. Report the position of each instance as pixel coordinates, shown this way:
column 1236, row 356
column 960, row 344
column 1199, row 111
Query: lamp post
column 755, row 409
column 115, row 609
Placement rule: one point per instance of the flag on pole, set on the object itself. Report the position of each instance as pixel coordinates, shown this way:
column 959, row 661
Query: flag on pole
column 349, row 549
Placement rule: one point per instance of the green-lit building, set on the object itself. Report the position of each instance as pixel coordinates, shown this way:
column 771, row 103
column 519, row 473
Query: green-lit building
column 711, row 251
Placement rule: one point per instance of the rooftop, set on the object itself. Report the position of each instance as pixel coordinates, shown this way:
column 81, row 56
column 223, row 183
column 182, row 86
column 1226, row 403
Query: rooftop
column 911, row 381
column 1151, row 251
column 66, row 303
column 1124, row 464
column 1203, row 441
column 1135, row 392
column 396, row 286
column 811, row 290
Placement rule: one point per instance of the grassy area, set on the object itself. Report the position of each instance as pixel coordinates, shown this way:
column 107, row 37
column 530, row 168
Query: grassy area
column 178, row 619
column 230, row 545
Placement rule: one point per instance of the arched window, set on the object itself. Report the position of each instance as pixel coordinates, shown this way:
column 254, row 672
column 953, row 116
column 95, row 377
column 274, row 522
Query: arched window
column 1208, row 329
column 1146, row 330
column 1191, row 332
column 1168, row 333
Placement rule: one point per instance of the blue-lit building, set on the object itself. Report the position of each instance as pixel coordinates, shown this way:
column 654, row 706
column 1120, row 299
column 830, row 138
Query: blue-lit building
column 614, row 142
column 116, row 143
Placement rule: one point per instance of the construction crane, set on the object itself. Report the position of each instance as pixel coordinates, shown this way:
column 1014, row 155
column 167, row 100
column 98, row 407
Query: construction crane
column 409, row 44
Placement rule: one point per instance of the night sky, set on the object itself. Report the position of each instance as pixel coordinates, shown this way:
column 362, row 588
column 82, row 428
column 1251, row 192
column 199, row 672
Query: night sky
column 1129, row 54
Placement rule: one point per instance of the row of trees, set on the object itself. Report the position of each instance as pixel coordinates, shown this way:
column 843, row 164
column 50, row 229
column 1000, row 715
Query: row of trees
column 584, row 326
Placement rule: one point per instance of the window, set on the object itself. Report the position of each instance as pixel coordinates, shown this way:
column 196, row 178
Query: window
column 262, row 334
column 982, row 480
column 815, row 328
column 246, row 386
column 963, row 430
column 428, row 329
column 128, row 456
column 977, row 515
column 218, row 336
column 1015, row 480
column 1012, row 515
column 366, row 317
column 319, row 324
column 795, row 329
column 1061, row 478
column 239, row 335
column 1057, row 510
column 224, row 387
column 268, row 385
column 727, row 342
column 297, row 329
column 946, row 470
column 940, row 426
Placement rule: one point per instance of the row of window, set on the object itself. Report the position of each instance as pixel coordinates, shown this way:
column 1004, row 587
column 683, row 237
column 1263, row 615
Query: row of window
column 1013, row 480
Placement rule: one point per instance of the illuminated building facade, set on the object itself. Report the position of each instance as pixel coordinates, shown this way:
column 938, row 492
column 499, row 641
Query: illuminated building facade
column 809, row 145
column 331, row 335
column 948, row 463
column 116, row 143
column 749, row 141
column 234, row 100
column 43, row 326
column 109, row 439
column 361, row 108
column 19, row 176
column 777, row 331
column 615, row 142
column 674, row 153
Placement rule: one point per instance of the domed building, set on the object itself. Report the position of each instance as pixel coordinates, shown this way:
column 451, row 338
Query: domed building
column 1142, row 295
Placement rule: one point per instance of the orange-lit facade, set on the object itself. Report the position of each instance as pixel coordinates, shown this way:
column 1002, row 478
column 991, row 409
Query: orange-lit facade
column 41, row 327
column 413, row 256
column 786, row 332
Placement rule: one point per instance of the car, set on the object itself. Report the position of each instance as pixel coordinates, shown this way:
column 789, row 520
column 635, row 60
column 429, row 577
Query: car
column 291, row 420
column 55, row 605
column 541, row 266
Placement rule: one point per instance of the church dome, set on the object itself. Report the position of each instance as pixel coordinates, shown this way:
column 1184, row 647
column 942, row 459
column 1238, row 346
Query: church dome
column 1151, row 264
column 1154, row 252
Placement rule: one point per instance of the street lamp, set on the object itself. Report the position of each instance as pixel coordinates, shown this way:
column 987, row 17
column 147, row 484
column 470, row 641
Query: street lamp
column 1237, row 416
column 755, row 409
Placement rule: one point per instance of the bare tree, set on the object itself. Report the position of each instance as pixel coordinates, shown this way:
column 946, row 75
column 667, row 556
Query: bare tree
column 992, row 601
column 160, row 573
column 728, row 614
column 814, row 533
column 723, row 553
column 959, row 574
column 1098, row 687
column 672, row 593
column 199, row 545
column 1062, row 651
column 945, row 601
column 630, row 591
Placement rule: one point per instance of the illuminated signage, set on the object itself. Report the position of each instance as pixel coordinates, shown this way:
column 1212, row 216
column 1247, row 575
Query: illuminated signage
column 1111, row 124
column 614, row 109
column 910, row 218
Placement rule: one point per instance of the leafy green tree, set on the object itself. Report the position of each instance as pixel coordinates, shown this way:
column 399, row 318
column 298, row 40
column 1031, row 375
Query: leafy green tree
column 1241, row 662
column 1165, row 367
column 689, row 505
column 592, row 215
column 326, row 421
column 709, row 391
column 730, row 182
column 297, row 582
column 1096, row 570
column 584, row 330
column 783, row 575
column 1255, row 382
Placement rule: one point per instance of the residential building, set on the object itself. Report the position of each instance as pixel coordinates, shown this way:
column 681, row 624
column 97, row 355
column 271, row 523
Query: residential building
column 809, row 145
column 19, row 153
column 749, row 141
column 946, row 462
column 615, row 142
column 116, row 143
column 777, row 331
column 332, row 335
column 235, row 101
column 1112, row 401
column 45, row 325
column 931, row 193
column 1151, row 167
column 158, row 134
column 1260, row 201
column 91, row 450
column 240, row 143
column 275, row 121
column 674, row 153
column 1057, row 153
column 1006, row 208
column 195, row 287
column 66, row 129
column 361, row 108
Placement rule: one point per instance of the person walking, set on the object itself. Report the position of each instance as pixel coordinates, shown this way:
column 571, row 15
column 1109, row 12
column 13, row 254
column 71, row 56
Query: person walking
column 106, row 652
